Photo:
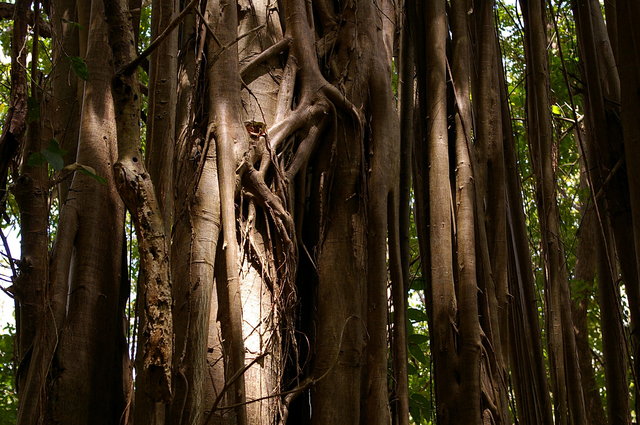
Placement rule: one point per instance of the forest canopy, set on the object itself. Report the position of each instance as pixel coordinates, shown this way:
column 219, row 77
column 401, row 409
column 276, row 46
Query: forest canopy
column 260, row 212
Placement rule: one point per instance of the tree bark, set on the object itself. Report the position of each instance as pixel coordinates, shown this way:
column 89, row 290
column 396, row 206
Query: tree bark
column 568, row 397
column 91, row 343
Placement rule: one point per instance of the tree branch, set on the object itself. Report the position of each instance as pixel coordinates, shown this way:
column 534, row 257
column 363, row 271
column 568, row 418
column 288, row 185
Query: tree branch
column 267, row 54
column 7, row 11
column 131, row 66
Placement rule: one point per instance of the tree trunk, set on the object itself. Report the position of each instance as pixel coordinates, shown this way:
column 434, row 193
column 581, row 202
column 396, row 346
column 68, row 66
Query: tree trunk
column 628, row 39
column 526, row 360
column 582, row 290
column 91, row 343
column 568, row 397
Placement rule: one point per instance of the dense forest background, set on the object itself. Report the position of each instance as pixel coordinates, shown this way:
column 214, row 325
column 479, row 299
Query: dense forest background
column 320, row 211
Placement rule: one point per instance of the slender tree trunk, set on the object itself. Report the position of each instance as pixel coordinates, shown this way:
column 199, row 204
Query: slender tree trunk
column 406, row 111
column 15, row 123
column 526, row 361
column 22, row 132
column 607, row 149
column 492, row 209
column 441, row 290
column 582, row 289
column 161, row 114
column 568, row 397
column 64, row 84
column 470, row 412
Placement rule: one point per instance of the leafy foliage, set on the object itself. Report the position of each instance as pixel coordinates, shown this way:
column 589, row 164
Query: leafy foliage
column 8, row 396
column 79, row 67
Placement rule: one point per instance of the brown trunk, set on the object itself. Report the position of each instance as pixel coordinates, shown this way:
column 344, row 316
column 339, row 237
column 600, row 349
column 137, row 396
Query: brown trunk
column 64, row 100
column 161, row 114
column 229, row 139
column 470, row 411
column 196, row 231
column 628, row 39
column 406, row 108
column 31, row 192
column 606, row 150
column 442, row 291
column 153, row 362
column 568, row 397
column 91, row 344
column 492, row 213
column 582, row 289
column 526, row 361
column 16, row 118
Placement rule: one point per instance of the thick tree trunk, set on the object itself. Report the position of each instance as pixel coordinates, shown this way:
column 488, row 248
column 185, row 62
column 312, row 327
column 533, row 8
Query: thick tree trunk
column 198, row 374
column 628, row 40
column 272, row 222
column 91, row 343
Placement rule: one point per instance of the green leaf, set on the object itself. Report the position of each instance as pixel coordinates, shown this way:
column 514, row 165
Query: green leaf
column 417, row 284
column 36, row 159
column 415, row 414
column 555, row 109
column 416, row 315
column 417, row 339
column 418, row 354
column 72, row 23
column 79, row 66
column 86, row 170
column 420, row 400
column 93, row 175
column 54, row 155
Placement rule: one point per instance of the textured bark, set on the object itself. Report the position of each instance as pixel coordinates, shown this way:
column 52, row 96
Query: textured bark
column 628, row 40
column 273, row 219
column 490, row 174
column 582, row 289
column 198, row 344
column 16, row 119
column 91, row 344
column 230, row 138
column 603, row 94
column 64, row 85
column 31, row 196
column 153, row 390
column 526, row 362
column 441, row 290
column 568, row 396
column 161, row 114
column 265, row 310
column 470, row 352
column 31, row 192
